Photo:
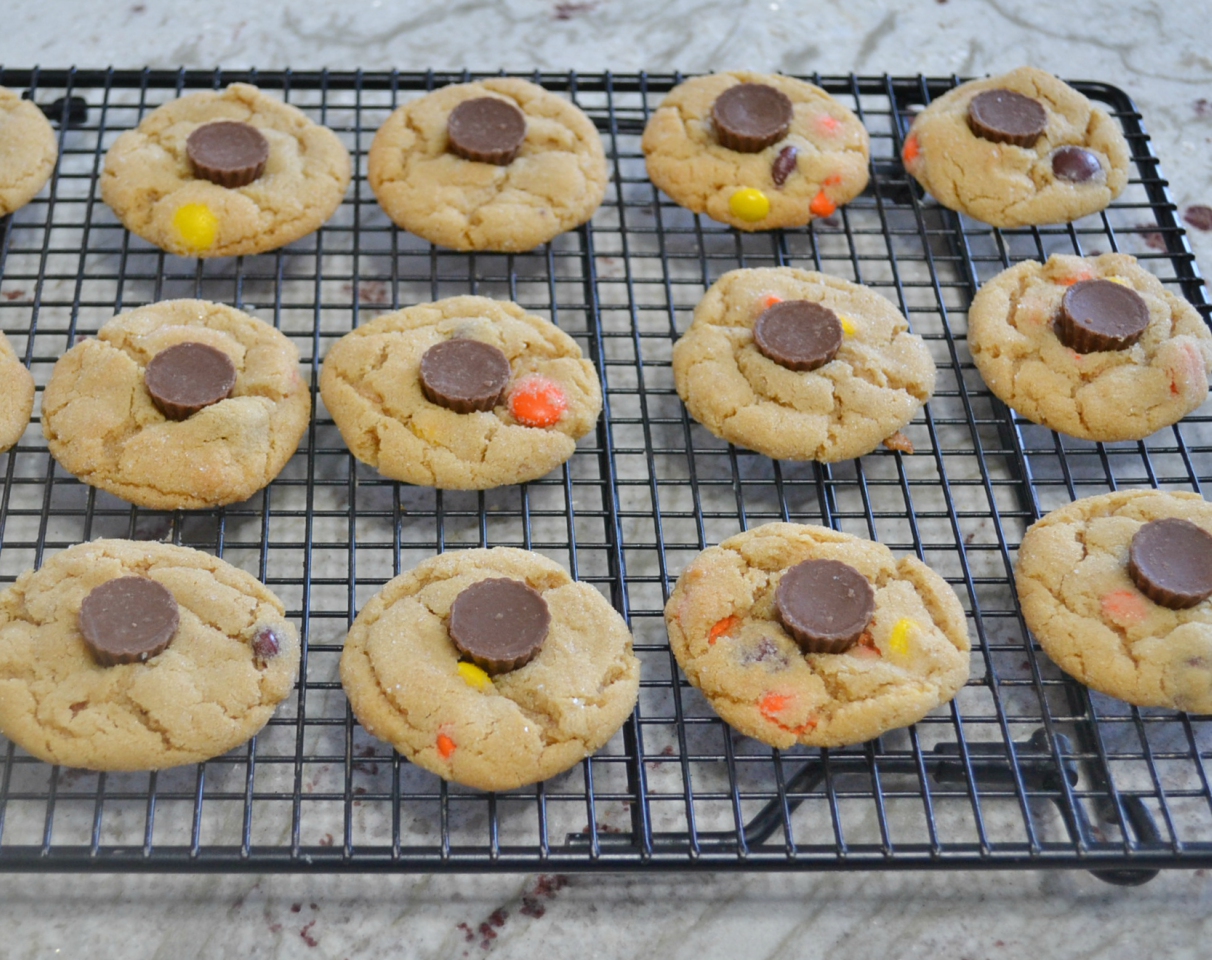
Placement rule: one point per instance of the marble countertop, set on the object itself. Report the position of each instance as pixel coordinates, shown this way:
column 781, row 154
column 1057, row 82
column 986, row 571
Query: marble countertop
column 1158, row 53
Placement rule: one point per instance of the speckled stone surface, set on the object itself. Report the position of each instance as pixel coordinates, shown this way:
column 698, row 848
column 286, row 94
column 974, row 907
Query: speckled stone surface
column 1158, row 53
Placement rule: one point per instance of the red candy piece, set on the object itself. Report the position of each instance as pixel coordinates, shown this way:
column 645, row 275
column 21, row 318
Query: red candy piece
column 723, row 628
column 446, row 746
column 910, row 151
column 537, row 402
column 822, row 206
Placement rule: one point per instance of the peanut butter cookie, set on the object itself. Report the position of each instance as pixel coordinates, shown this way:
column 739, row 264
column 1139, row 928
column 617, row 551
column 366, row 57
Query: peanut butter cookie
column 410, row 668
column 1020, row 149
column 84, row 683
column 870, row 378
column 464, row 394
column 1115, row 590
column 16, row 395
column 755, row 625
column 122, row 411
column 218, row 174
column 498, row 164
column 1053, row 342
column 28, row 149
column 758, row 151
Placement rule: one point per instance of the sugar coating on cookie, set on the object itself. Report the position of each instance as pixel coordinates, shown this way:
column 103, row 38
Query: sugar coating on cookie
column 16, row 395
column 28, row 149
column 1104, row 395
column 407, row 684
column 1081, row 604
column 876, row 383
column 102, row 424
column 816, row 167
column 725, row 632
column 1076, row 167
column 555, row 183
column 371, row 385
column 150, row 184
column 205, row 694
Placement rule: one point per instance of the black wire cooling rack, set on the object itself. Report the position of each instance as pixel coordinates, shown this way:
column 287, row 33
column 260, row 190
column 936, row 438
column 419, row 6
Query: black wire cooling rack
column 1025, row 769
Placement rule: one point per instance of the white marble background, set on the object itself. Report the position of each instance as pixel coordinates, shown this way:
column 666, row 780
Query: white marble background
column 1158, row 52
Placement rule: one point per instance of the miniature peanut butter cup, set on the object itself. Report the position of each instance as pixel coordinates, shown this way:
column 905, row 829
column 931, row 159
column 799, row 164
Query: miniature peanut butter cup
column 824, row 604
column 1170, row 561
column 1075, row 165
column 1004, row 116
column 227, row 152
column 798, row 334
column 751, row 116
column 486, row 129
column 464, row 375
column 128, row 620
column 188, row 377
column 1101, row 315
column 499, row 624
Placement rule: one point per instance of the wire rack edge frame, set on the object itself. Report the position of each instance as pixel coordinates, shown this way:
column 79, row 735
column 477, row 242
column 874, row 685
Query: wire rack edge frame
column 1133, row 861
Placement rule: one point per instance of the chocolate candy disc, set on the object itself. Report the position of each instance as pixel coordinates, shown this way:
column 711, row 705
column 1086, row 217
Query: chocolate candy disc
column 227, row 152
column 128, row 620
column 187, row 377
column 499, row 624
column 266, row 644
column 464, row 375
column 1101, row 315
column 824, row 604
column 751, row 116
column 798, row 334
column 486, row 129
column 1170, row 561
column 1004, row 116
column 1075, row 165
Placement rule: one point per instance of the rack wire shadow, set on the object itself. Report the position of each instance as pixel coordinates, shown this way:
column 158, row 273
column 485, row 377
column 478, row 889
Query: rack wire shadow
column 1026, row 769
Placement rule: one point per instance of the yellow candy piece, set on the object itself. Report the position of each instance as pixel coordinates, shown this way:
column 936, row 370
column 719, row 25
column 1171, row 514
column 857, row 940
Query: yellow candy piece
column 749, row 204
column 898, row 641
column 848, row 326
column 197, row 226
column 473, row 676
column 1121, row 281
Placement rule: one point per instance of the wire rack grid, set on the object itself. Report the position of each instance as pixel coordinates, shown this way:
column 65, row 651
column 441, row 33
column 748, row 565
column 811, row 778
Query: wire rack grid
column 1025, row 769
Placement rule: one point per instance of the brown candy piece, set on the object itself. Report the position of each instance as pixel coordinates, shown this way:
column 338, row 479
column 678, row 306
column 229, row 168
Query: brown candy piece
column 266, row 644
column 486, row 129
column 1076, row 165
column 464, row 375
column 784, row 165
column 187, row 377
column 227, row 152
column 798, row 334
column 1170, row 561
column 128, row 620
column 825, row 605
column 1004, row 116
column 499, row 624
column 751, row 116
column 1101, row 315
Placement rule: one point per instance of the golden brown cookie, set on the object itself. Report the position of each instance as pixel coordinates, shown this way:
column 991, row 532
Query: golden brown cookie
column 371, row 384
column 232, row 659
column 1083, row 606
column 729, row 641
column 103, row 426
column 28, row 149
column 816, row 166
column 1102, row 395
column 16, row 395
column 555, row 183
column 407, row 684
column 151, row 185
column 876, row 383
column 1076, row 165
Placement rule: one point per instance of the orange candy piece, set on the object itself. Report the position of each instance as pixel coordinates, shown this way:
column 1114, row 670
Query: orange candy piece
column 1124, row 606
column 773, row 703
column 821, row 205
column 723, row 628
column 1069, row 281
column 827, row 123
column 446, row 746
column 770, row 300
column 911, row 149
column 537, row 402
